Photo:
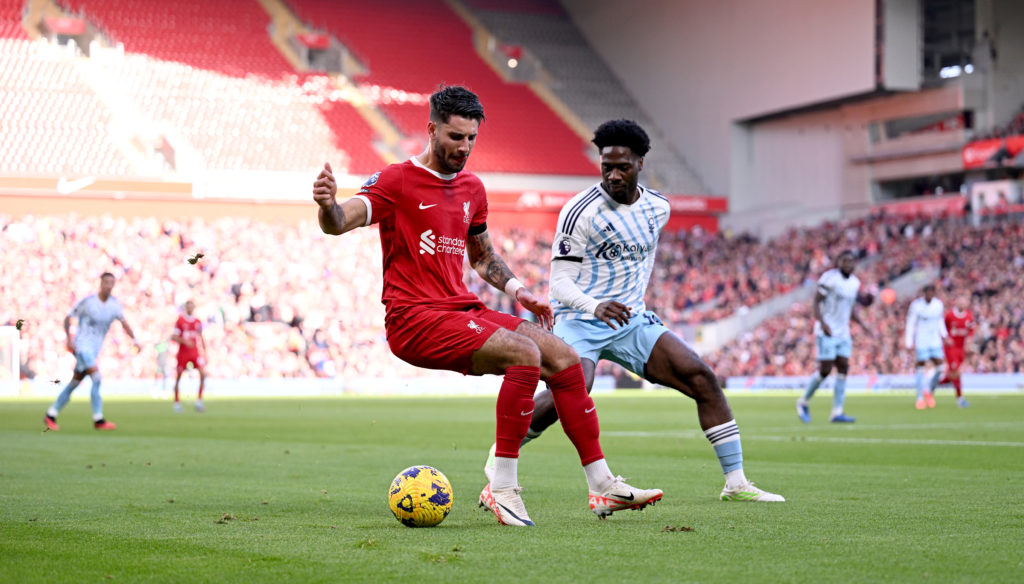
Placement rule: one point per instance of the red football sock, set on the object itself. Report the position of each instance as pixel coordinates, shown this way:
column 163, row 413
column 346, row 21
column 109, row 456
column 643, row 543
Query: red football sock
column 515, row 408
column 956, row 386
column 577, row 412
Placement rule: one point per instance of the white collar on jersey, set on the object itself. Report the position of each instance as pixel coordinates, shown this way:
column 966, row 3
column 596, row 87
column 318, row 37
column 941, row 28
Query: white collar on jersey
column 442, row 176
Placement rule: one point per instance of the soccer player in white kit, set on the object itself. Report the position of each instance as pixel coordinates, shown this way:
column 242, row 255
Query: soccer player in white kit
column 95, row 313
column 926, row 332
column 602, row 258
column 833, row 309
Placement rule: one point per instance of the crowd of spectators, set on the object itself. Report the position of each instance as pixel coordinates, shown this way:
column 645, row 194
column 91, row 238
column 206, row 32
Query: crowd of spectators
column 284, row 300
column 985, row 264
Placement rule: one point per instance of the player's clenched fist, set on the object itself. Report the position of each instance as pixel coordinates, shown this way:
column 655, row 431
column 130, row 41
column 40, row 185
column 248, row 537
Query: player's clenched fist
column 325, row 187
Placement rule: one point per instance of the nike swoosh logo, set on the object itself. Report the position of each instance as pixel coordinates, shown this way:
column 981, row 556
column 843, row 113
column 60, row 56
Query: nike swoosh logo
column 590, row 410
column 625, row 498
column 522, row 413
column 422, row 206
column 66, row 187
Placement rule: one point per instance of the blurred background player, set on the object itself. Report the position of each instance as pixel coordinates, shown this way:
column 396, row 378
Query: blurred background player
column 319, row 355
column 601, row 264
column 188, row 333
column 431, row 215
column 834, row 305
column 960, row 327
column 925, row 333
column 94, row 315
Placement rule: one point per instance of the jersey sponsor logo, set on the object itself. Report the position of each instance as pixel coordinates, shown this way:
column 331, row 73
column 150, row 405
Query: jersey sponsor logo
column 465, row 212
column 474, row 326
column 422, row 206
column 610, row 250
column 427, row 242
column 564, row 247
column 433, row 244
column 371, row 181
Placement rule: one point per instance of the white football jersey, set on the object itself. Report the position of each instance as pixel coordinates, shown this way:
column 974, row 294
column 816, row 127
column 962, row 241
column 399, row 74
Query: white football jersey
column 94, row 319
column 926, row 324
column 615, row 244
column 840, row 293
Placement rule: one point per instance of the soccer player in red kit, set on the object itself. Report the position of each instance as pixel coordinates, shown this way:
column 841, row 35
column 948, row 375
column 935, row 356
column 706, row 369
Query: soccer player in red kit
column 430, row 215
column 188, row 333
column 960, row 324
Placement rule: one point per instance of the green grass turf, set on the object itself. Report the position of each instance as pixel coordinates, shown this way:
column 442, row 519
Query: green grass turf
column 295, row 491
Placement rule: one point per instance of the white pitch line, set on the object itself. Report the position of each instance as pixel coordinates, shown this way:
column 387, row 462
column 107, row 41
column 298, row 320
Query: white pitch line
column 802, row 438
column 886, row 441
column 936, row 426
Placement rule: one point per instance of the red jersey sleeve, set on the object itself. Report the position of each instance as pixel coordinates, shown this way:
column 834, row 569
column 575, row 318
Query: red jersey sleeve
column 178, row 326
column 379, row 193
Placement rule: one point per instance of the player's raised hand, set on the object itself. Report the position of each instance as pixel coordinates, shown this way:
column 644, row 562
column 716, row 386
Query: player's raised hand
column 325, row 188
column 613, row 311
column 542, row 309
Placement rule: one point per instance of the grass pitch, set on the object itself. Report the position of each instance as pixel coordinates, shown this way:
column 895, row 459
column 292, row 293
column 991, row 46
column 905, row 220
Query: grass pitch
column 295, row 491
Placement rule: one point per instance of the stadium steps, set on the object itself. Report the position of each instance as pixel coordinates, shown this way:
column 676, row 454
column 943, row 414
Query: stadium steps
column 582, row 83
column 286, row 25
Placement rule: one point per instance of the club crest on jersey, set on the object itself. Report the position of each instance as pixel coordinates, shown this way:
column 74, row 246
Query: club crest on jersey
column 479, row 329
column 564, row 247
column 372, row 180
column 651, row 224
column 465, row 212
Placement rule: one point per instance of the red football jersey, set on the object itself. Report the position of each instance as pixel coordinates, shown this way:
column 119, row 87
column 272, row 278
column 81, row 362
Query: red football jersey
column 424, row 219
column 960, row 326
column 188, row 327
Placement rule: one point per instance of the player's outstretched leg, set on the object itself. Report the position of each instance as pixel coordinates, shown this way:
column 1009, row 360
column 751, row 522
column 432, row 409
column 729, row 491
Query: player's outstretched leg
column 673, row 363
column 578, row 414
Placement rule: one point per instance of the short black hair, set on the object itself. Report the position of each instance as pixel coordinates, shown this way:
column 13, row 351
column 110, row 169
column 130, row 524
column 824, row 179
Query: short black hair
column 846, row 252
column 105, row 274
column 455, row 100
column 928, row 287
column 622, row 133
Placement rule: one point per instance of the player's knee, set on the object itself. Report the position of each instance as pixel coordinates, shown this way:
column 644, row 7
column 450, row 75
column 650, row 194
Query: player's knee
column 560, row 357
column 525, row 352
column 703, row 381
column 96, row 378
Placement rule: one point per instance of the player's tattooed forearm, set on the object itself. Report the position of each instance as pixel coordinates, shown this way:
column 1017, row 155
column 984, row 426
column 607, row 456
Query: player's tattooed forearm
column 498, row 274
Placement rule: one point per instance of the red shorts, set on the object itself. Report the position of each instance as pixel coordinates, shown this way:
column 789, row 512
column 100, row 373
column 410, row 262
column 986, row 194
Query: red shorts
column 185, row 358
column 443, row 338
column 955, row 357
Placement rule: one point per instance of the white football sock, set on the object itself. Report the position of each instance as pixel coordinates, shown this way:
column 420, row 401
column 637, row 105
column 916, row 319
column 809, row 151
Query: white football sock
column 506, row 473
column 599, row 476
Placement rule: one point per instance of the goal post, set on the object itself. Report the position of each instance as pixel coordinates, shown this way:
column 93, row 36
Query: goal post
column 10, row 361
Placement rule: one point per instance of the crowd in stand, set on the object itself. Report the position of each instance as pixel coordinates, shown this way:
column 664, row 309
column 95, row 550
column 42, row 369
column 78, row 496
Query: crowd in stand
column 985, row 264
column 287, row 301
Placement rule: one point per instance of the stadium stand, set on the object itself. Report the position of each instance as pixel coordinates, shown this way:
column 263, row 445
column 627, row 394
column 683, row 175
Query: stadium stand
column 53, row 122
column 215, row 76
column 986, row 263
column 427, row 44
column 264, row 289
column 581, row 80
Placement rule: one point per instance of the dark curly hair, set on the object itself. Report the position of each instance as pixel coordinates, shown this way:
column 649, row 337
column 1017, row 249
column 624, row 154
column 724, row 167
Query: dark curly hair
column 622, row 133
column 454, row 100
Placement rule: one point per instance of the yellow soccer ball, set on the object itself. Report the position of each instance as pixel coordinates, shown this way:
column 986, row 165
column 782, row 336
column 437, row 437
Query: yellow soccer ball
column 420, row 496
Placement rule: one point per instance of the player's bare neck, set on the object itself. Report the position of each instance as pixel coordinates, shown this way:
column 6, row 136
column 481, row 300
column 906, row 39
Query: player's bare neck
column 428, row 160
column 103, row 296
